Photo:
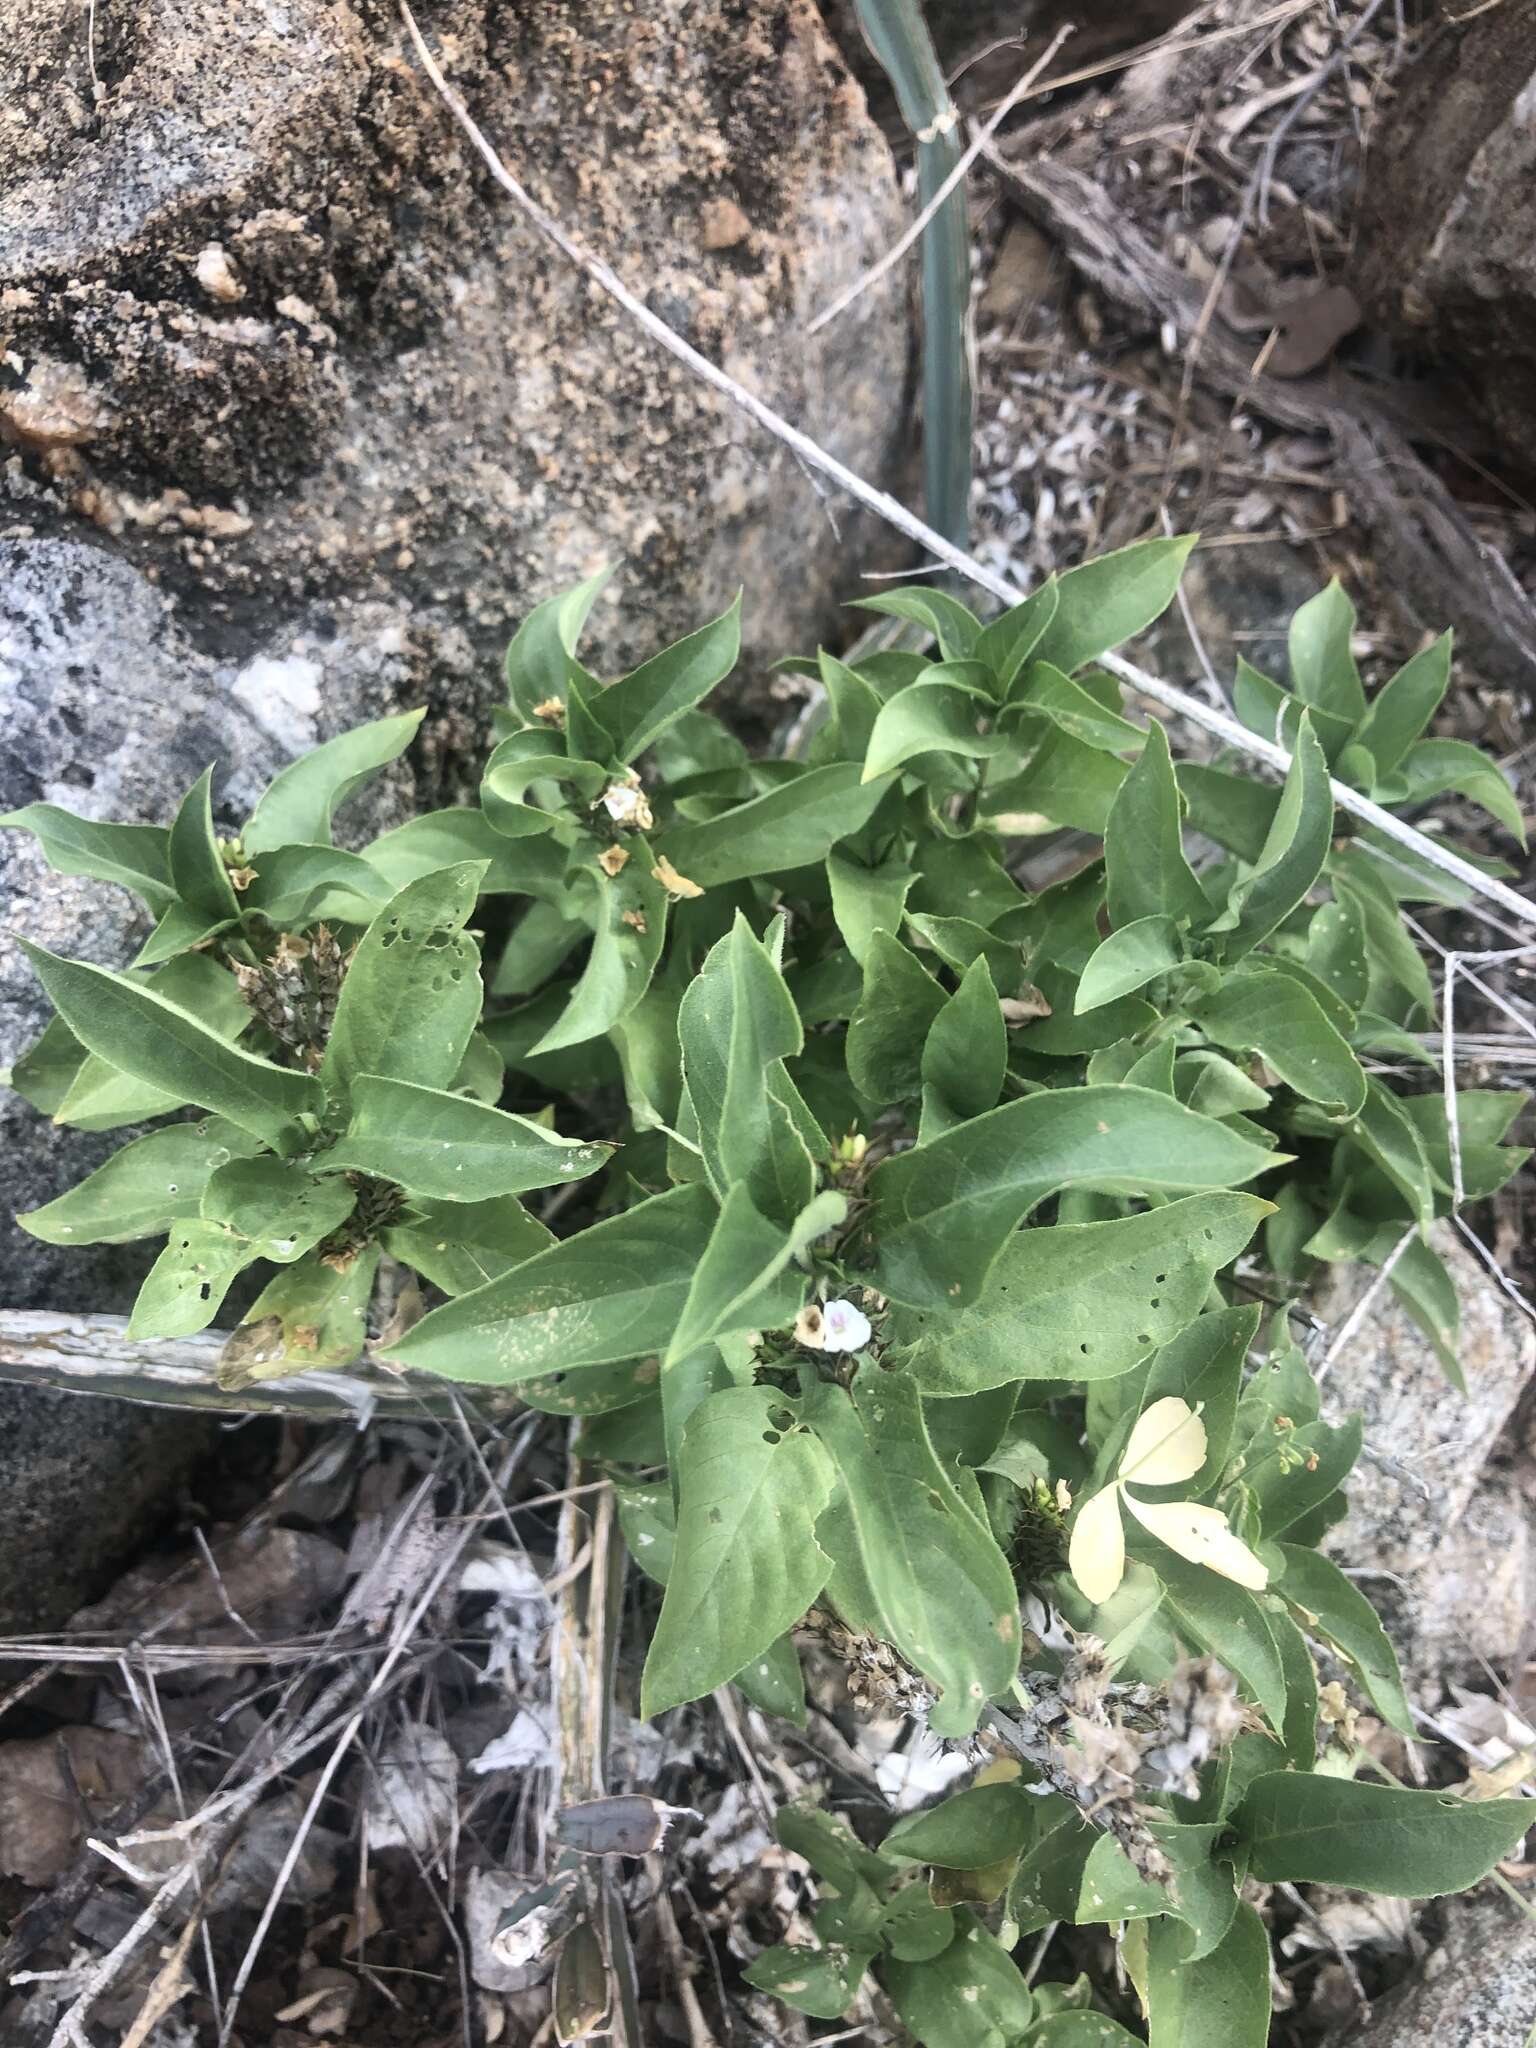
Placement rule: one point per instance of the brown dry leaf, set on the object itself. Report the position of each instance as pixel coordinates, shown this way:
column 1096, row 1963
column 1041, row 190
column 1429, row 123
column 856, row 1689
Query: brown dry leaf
column 274, row 1579
column 1024, row 1007
column 41, row 1816
column 1311, row 329
column 324, row 2003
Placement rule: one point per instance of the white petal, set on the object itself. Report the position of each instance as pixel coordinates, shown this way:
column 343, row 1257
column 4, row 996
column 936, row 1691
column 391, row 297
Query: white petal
column 1096, row 1553
column 1166, row 1446
column 843, row 1327
column 1203, row 1536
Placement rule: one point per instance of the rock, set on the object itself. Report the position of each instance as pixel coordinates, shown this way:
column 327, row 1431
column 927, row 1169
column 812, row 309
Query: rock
column 82, row 1482
column 1440, row 1536
column 1447, row 255
column 266, row 274
column 1478, row 1990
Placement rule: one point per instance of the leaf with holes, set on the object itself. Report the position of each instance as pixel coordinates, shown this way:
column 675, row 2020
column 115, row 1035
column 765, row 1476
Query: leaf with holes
column 746, row 1564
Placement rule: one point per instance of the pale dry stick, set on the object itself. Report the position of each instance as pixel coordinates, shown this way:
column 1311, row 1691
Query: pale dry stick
column 1499, row 1002
column 1494, row 1267
column 904, row 241
column 1191, row 628
column 699, row 2035
column 1448, row 1077
column 1365, row 1304
column 1340, row 1953
column 404, row 1634
column 897, row 515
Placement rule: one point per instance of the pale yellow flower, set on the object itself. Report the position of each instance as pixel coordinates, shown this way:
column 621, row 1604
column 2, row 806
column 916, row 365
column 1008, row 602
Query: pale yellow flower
column 1167, row 1446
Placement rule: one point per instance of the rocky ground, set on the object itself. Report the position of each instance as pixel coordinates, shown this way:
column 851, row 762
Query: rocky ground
column 296, row 421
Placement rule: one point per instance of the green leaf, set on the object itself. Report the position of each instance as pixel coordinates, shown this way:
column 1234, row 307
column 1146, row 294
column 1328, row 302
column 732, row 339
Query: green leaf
column 1234, row 810
column 101, row 1098
column 1108, row 601
column 1006, row 645
column 185, row 1287
column 1336, row 950
column 1422, row 1283
column 519, row 762
column 611, row 1292
column 1079, row 2030
column 747, row 1565
column 458, row 1246
column 1388, row 1135
column 867, row 899
column 136, row 857
column 278, row 1205
column 965, row 1055
column 441, row 839
column 737, row 1024
column 198, row 872
column 1084, row 1301
column 1405, row 704
column 789, row 827
column 629, row 916
column 831, row 1848
column 973, row 1995
column 412, row 995
column 1408, row 1845
column 178, row 931
column 853, row 705
column 941, row 1213
column 298, row 885
column 1320, row 1458
column 1127, row 960
column 1145, row 871
column 450, row 1148
column 888, row 1030
column 1328, row 1604
column 1214, row 1086
column 960, row 941
column 301, row 800
column 538, row 660
column 941, row 1588
column 1268, row 1013
column 746, row 1255
column 1046, row 693
column 1219, row 2002
column 143, row 1189
column 1323, row 672
column 956, row 628
column 1293, row 854
column 937, row 714
column 157, row 1042
column 310, row 1316
column 43, row 1074
column 1276, row 715
column 969, row 1830
column 1065, row 782
column 913, row 1929
column 820, row 1981
column 637, row 709
column 1432, row 767
column 774, row 1682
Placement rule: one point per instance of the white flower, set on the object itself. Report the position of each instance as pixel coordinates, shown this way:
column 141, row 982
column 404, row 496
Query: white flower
column 843, row 1327
column 1166, row 1446
column 625, row 803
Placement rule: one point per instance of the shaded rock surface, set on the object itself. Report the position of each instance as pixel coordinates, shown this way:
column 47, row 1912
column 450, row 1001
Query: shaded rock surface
column 82, row 1483
column 1448, row 248
column 297, row 418
column 1438, row 1531
column 1478, row 1989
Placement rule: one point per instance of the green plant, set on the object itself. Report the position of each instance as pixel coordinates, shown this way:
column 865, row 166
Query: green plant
column 940, row 1258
